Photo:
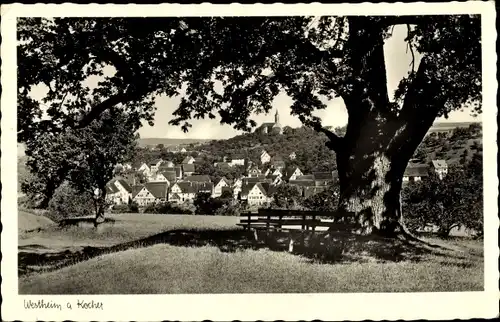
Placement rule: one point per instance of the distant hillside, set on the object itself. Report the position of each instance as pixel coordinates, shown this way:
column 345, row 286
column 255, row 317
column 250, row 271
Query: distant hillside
column 449, row 126
column 143, row 142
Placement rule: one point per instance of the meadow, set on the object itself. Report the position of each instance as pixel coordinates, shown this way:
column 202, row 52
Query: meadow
column 162, row 254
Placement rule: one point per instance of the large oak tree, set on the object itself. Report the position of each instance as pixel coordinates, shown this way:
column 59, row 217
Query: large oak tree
column 235, row 66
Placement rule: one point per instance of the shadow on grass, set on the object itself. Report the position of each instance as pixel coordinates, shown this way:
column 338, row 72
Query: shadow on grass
column 337, row 248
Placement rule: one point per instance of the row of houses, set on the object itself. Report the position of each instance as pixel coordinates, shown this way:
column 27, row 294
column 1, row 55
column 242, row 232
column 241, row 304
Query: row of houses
column 179, row 184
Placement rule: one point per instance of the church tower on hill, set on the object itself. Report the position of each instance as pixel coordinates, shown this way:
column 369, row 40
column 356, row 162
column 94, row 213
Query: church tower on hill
column 271, row 128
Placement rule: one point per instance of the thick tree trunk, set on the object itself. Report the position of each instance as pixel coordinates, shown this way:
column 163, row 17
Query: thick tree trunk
column 100, row 203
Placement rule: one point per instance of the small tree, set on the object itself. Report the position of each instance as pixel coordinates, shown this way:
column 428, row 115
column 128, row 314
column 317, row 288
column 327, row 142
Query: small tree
column 325, row 200
column 287, row 196
column 446, row 204
column 67, row 202
column 85, row 157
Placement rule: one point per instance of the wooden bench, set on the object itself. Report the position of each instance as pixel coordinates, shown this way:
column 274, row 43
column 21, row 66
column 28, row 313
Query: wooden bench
column 274, row 220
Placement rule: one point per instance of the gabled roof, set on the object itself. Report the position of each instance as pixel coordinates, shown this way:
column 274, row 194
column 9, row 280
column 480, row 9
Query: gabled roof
column 187, row 159
column 278, row 158
column 157, row 189
column 259, row 178
column 188, row 167
column 155, row 162
column 186, row 187
column 125, row 185
column 417, row 171
column 166, row 164
column 169, row 175
column 288, row 172
column 267, row 124
column 198, row 178
column 246, row 187
column 224, row 180
column 302, row 183
column 266, row 188
column 203, row 186
column 111, row 188
column 323, row 175
column 308, row 177
column 136, row 189
column 439, row 164
column 198, row 160
column 238, row 157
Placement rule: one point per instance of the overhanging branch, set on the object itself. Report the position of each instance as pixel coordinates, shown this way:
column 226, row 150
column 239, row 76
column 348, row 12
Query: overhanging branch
column 335, row 143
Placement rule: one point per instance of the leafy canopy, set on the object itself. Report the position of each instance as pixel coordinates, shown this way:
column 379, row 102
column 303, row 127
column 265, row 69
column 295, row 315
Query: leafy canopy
column 233, row 66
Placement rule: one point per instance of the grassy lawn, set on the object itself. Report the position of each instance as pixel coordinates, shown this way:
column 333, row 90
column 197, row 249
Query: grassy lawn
column 28, row 222
column 163, row 269
column 124, row 228
column 159, row 254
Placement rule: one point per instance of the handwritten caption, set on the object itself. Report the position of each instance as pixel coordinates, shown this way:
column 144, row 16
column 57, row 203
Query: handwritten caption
column 70, row 305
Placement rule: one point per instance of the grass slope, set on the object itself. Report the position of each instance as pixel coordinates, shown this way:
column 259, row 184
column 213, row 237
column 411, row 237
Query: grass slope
column 30, row 222
column 164, row 269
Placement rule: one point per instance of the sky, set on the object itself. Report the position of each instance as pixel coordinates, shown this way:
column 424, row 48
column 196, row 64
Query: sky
column 397, row 61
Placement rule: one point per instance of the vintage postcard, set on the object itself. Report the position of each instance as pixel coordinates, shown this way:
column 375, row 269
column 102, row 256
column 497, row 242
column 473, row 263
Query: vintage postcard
column 249, row 162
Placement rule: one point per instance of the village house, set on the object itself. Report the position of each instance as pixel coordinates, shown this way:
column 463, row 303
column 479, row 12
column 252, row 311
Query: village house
column 198, row 160
column 182, row 192
column 154, row 165
column 291, row 173
column 188, row 169
column 188, row 160
column 166, row 164
column 292, row 156
column 119, row 191
column 144, row 169
column 254, row 171
column 277, row 172
column 237, row 187
column 264, row 157
column 164, row 176
column 223, row 182
column 415, row 172
column 440, row 167
column 278, row 163
column 237, row 160
column 198, row 178
column 274, row 179
column 260, row 194
column 151, row 193
column 183, row 150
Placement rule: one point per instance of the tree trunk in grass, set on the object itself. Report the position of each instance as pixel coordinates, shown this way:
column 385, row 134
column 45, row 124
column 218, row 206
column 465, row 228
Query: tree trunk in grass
column 99, row 204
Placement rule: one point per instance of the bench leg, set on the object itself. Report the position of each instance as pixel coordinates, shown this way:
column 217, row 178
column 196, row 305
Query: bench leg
column 256, row 235
column 290, row 244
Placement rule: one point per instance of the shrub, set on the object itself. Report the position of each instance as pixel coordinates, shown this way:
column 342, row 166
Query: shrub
column 229, row 210
column 453, row 202
column 125, row 208
column 167, row 208
column 67, row 202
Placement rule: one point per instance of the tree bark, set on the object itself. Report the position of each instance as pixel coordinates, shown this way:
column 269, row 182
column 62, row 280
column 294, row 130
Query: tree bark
column 100, row 203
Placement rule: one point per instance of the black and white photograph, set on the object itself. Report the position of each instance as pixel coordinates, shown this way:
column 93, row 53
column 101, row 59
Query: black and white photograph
column 303, row 152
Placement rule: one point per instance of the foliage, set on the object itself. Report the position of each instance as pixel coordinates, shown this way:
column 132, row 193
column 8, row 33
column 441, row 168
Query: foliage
column 131, row 207
column 229, row 209
column 206, row 205
column 166, row 208
column 67, row 202
column 85, row 157
column 455, row 201
column 236, row 66
column 287, row 196
column 326, row 200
